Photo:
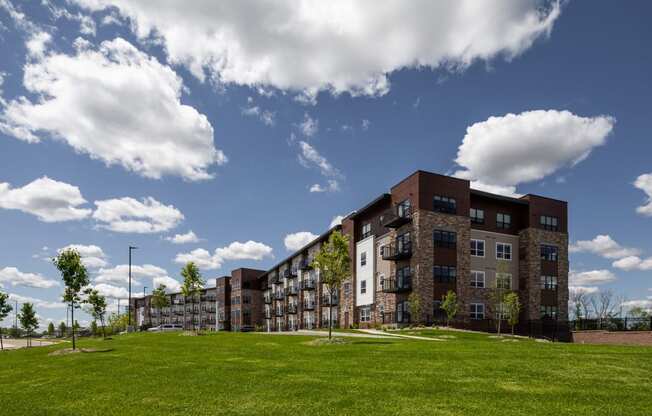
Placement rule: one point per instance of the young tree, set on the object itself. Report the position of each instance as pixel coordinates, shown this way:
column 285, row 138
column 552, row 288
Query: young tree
column 96, row 308
column 512, row 308
column 334, row 265
column 415, row 306
column 50, row 329
column 576, row 300
column 75, row 278
column 28, row 320
column 497, row 294
column 192, row 285
column 159, row 301
column 62, row 329
column 5, row 309
column 449, row 305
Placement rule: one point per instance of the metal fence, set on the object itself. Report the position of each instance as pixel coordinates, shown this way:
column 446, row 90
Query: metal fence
column 612, row 324
column 549, row 329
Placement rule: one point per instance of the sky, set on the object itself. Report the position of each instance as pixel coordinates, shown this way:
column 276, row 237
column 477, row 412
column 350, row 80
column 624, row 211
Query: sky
column 230, row 134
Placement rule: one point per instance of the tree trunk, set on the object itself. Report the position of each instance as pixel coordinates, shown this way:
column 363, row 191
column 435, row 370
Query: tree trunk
column 72, row 319
column 2, row 346
column 185, row 300
column 330, row 314
column 102, row 323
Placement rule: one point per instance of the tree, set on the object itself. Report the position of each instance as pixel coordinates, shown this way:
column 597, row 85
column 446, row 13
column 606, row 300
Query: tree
column 498, row 292
column 118, row 322
column 75, row 278
column 62, row 329
column 96, row 308
column 604, row 304
column 576, row 299
column 28, row 320
column 192, row 285
column 5, row 309
column 449, row 305
column 334, row 265
column 94, row 329
column 160, row 301
column 415, row 305
column 50, row 329
column 512, row 308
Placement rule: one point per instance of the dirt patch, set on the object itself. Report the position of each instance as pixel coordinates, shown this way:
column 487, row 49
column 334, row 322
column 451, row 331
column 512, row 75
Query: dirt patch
column 613, row 338
column 325, row 341
column 68, row 351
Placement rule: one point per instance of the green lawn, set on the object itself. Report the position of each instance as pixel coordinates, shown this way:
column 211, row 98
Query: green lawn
column 238, row 374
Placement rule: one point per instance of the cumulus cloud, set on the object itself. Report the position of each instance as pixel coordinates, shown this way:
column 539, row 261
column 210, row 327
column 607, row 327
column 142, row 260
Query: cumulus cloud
column 583, row 289
column 49, row 200
column 117, row 105
column 309, row 126
column 593, row 277
column 251, row 250
column 337, row 220
column 516, row 148
column 644, row 183
column 171, row 285
column 112, row 292
column 267, row 117
column 92, row 256
column 119, row 275
column 331, row 186
column 187, row 238
column 640, row 303
column 310, row 157
column 633, row 263
column 39, row 303
column 128, row 215
column 334, row 46
column 14, row 277
column 296, row 241
column 605, row 246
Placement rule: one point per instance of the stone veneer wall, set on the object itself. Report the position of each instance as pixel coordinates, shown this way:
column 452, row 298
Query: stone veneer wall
column 530, row 240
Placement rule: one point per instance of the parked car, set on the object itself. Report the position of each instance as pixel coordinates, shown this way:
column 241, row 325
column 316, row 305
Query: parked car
column 166, row 328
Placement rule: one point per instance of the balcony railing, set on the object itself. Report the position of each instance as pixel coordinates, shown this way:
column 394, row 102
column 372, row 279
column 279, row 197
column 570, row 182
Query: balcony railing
column 305, row 264
column 397, row 284
column 397, row 250
column 292, row 308
column 397, row 216
column 308, row 284
column 292, row 290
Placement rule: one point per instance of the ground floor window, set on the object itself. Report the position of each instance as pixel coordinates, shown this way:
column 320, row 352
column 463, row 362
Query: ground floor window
column 477, row 311
column 549, row 311
column 365, row 314
column 403, row 312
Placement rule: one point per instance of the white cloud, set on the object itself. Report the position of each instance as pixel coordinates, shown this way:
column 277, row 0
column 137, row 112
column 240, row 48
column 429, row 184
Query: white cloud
column 336, row 46
column 251, row 250
column 92, row 256
column 584, row 289
column 112, row 292
column 296, row 241
column 496, row 189
column 633, row 263
column 517, row 148
column 310, row 157
column 266, row 116
column 189, row 237
column 309, row 126
column 117, row 105
column 171, row 285
column 640, row 303
column 593, row 277
column 128, row 215
column 39, row 303
column 644, row 183
column 337, row 220
column 605, row 246
column 49, row 200
column 331, row 186
column 120, row 274
column 37, row 44
column 14, row 277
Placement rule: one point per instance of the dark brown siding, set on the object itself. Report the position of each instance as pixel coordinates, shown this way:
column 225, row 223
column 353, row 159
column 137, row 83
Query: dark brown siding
column 431, row 184
column 545, row 206
column 493, row 206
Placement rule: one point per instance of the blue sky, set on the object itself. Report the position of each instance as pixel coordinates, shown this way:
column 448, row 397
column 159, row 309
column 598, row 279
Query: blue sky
column 203, row 120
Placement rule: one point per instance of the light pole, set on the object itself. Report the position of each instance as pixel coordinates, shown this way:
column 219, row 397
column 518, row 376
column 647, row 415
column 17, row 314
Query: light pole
column 129, row 329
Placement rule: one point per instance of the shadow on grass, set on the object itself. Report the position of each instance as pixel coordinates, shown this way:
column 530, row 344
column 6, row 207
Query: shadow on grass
column 372, row 342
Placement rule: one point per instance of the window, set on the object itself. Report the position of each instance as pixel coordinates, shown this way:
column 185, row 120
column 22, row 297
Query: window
column 363, row 287
column 503, row 251
column 549, row 253
column 445, row 239
column 403, row 277
column 365, row 314
column 403, row 312
column 477, row 279
column 504, row 281
column 363, row 258
column 444, row 204
column 548, row 311
column 381, row 279
column 549, row 282
column 444, row 274
column 477, row 311
column 347, row 289
column 503, row 220
column 366, row 230
column 403, row 209
column 477, row 216
column 477, row 248
column 549, row 223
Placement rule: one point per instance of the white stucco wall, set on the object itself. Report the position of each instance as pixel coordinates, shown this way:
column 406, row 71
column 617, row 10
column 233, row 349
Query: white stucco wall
column 365, row 273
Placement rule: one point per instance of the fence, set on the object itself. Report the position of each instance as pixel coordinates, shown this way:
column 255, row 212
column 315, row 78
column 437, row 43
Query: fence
column 612, row 324
column 550, row 329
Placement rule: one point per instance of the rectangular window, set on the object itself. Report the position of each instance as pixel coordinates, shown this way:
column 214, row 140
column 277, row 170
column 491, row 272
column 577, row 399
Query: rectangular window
column 363, row 258
column 403, row 209
column 504, row 281
column 477, row 216
column 347, row 289
column 549, row 253
column 444, row 204
column 444, row 274
column 503, row 220
column 363, row 287
column 403, row 311
column 503, row 251
column 404, row 277
column 501, row 311
column 366, row 230
column 548, row 311
column 365, row 314
column 444, row 239
column 477, row 279
column 549, row 282
column 477, row 248
column 549, row 223
column 477, row 311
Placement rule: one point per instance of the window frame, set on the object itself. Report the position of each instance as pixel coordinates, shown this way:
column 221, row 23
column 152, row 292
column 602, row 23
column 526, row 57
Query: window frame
column 474, row 280
column 549, row 222
column 365, row 314
column 476, row 219
column 366, row 230
column 504, row 277
column 503, row 251
column 363, row 287
column 484, row 248
column 505, row 225
column 546, row 252
column 363, row 259
column 449, row 277
column 444, row 204
column 549, row 282
column 474, row 312
column 448, row 239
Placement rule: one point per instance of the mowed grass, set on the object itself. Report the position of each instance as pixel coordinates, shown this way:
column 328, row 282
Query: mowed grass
column 247, row 374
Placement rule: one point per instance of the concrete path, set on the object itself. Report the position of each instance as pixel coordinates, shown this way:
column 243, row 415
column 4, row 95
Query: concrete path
column 325, row 334
column 395, row 335
column 12, row 344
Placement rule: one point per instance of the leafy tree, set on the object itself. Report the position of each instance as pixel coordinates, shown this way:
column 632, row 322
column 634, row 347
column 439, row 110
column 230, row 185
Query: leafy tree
column 450, row 306
column 498, row 292
column 415, row 306
column 512, row 308
column 5, row 309
column 28, row 320
column 334, row 265
column 75, row 278
column 160, row 301
column 96, row 308
column 94, row 329
column 192, row 285
column 50, row 329
column 62, row 329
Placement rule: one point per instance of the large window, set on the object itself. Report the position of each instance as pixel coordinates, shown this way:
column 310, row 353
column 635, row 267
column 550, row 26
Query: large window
column 365, row 314
column 446, row 239
column 477, row 216
column 549, row 253
column 503, row 251
column 403, row 312
column 363, row 287
column 504, row 281
column 549, row 282
column 444, row 274
column 363, row 258
column 477, row 248
column 549, row 223
column 503, row 220
column 366, row 230
column 444, row 204
column 477, row 311
column 403, row 277
column 548, row 311
column 477, row 279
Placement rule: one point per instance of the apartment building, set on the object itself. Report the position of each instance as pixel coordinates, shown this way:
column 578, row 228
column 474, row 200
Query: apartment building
column 191, row 312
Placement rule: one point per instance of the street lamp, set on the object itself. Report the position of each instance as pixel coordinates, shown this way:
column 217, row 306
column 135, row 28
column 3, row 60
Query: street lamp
column 129, row 307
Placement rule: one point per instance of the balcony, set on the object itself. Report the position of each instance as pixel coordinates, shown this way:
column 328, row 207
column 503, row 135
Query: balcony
column 308, row 284
column 294, row 271
column 327, row 301
column 309, row 306
column 292, row 308
column 397, row 284
column 279, row 295
column 397, row 250
column 292, row 290
column 267, row 297
column 397, row 216
column 305, row 264
column 276, row 279
column 279, row 312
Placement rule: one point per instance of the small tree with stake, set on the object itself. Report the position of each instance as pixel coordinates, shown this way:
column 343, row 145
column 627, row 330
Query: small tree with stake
column 192, row 285
column 512, row 308
column 28, row 320
column 75, row 278
column 5, row 309
column 415, row 306
column 450, row 306
column 160, row 301
column 334, row 265
column 50, row 329
column 96, row 308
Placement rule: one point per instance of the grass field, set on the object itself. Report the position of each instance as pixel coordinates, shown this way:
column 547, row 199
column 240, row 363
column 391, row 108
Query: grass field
column 238, row 374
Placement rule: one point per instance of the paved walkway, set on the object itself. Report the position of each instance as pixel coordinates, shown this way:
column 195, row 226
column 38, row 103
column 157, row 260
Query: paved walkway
column 395, row 335
column 325, row 334
column 12, row 344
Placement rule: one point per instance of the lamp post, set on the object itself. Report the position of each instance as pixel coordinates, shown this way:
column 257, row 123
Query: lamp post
column 129, row 328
